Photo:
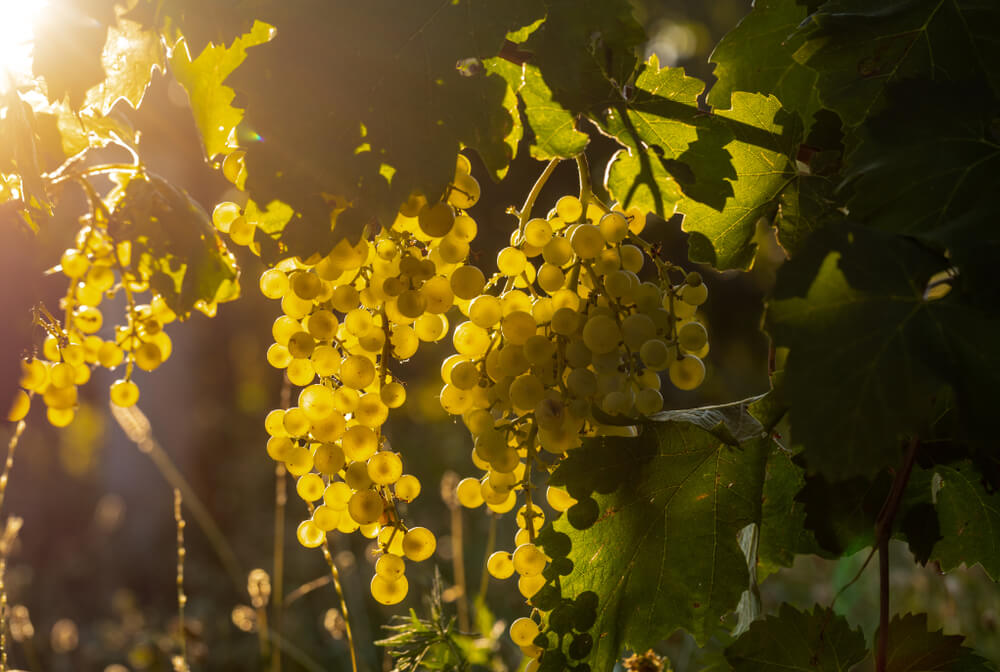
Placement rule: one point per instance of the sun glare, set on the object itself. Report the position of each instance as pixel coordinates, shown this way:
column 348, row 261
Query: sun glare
column 17, row 24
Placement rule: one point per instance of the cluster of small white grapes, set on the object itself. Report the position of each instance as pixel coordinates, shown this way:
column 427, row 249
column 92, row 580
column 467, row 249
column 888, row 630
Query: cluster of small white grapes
column 571, row 340
column 346, row 316
column 97, row 268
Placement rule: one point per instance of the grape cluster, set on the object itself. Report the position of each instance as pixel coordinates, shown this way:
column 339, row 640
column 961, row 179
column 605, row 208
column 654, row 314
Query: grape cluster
column 346, row 316
column 566, row 337
column 97, row 268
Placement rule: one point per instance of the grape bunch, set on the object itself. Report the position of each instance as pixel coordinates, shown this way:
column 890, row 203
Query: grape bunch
column 346, row 316
column 97, row 268
column 567, row 338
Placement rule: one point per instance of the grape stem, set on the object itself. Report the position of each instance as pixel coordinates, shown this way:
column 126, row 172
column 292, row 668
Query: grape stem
column 524, row 214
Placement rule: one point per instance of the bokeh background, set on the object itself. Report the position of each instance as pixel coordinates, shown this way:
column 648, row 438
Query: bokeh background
column 91, row 578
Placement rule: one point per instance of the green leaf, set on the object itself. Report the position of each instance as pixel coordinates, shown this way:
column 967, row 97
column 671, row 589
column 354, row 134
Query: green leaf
column 657, row 127
column 554, row 127
column 861, row 48
column 798, row 640
column 174, row 245
column 869, row 354
column 506, row 69
column 969, row 517
column 69, row 43
column 409, row 108
column 927, row 158
column 664, row 553
column 586, row 51
column 202, row 78
column 766, row 33
column 783, row 532
column 913, row 648
column 761, row 138
column 130, row 54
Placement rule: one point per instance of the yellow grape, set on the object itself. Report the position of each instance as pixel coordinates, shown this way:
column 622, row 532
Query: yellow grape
column 469, row 493
column 309, row 534
column 528, row 560
column 385, row 467
column 20, row 407
column 419, row 543
column 310, row 487
column 529, row 585
column 389, row 592
column 407, row 488
column 124, row 393
column 523, row 631
column 365, row 507
column 687, row 373
column 499, row 565
column 390, row 567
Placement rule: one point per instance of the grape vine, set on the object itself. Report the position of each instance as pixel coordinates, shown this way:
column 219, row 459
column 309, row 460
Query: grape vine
column 858, row 143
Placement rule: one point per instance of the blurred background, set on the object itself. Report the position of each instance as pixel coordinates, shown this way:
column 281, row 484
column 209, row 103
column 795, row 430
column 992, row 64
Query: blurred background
column 91, row 578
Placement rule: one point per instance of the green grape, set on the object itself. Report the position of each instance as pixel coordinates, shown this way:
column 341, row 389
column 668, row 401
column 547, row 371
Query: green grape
column 357, row 371
column 385, row 467
column 436, row 220
column 359, row 443
column 337, row 495
column 389, row 592
column 148, row 356
column 464, row 375
column 569, row 208
column 279, row 357
column 88, row 319
column 558, row 499
column 390, row 539
column 20, row 406
column 517, row 327
column 283, row 329
column 316, row 402
column 325, row 518
column 372, row 341
column 529, row 585
column 329, row 429
column 407, row 488
column 695, row 295
column 499, row 565
column 329, row 458
column 296, row 422
column 656, row 354
column 550, row 277
column 365, row 507
column 648, row 401
column 692, row 336
column 587, row 241
column 557, row 251
column 614, row 227
column 538, row 350
column 224, row 214
column 456, row 401
column 62, row 374
column 523, row 631
column 469, row 493
column 35, row 375
column 124, row 393
column 344, row 298
column 392, row 394
column 234, row 168
column 467, row 282
column 371, row 412
column 637, row 329
column 511, row 261
column 242, row 231
column 528, row 560
column 280, row 448
column 309, row 534
column 466, row 191
column 430, row 328
column 274, row 423
column 358, row 321
column 299, row 462
column 345, row 399
column 322, row 325
column 601, row 334
column 419, row 544
column 405, row 342
column 472, row 340
column 452, row 249
column 526, row 392
column 538, row 517
column 390, row 567
column 632, row 258
column 301, row 345
column 485, row 311
column 437, row 295
column 325, row 360
column 687, row 373
column 310, row 487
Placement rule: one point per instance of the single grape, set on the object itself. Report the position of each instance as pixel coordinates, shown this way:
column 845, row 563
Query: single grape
column 419, row 543
column 499, row 565
column 389, row 592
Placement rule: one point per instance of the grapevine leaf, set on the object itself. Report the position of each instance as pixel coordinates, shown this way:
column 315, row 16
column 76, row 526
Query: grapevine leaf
column 203, row 77
column 913, row 648
column 970, row 519
column 868, row 349
column 129, row 57
column 658, row 127
column 798, row 640
column 406, row 113
column 510, row 103
column 766, row 32
column 69, row 42
column 554, row 127
column 586, row 51
column 783, row 532
column 21, row 153
column 664, row 554
column 764, row 138
column 200, row 23
column 174, row 245
column 861, row 48
column 944, row 137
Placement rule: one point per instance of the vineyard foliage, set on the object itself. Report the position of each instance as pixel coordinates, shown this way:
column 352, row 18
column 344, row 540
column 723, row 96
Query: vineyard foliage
column 864, row 135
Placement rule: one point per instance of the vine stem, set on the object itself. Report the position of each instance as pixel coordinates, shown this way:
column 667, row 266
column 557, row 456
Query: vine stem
column 335, row 574
column 181, row 597
column 9, row 464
